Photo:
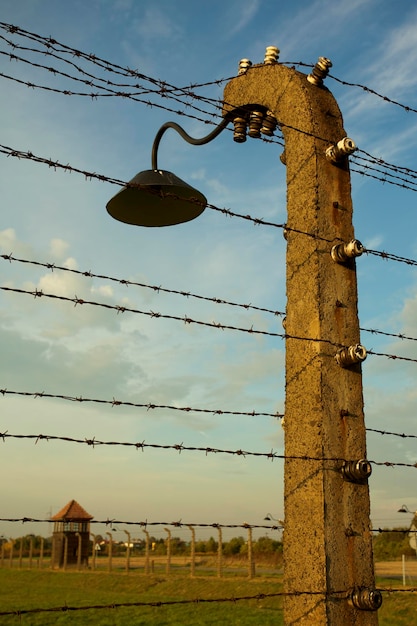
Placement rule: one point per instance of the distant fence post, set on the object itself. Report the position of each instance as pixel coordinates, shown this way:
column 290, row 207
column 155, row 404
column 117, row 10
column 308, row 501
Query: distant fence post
column 20, row 552
column 128, row 551
column 40, row 562
column 168, row 565
column 251, row 563
column 93, row 554
column 30, row 552
column 110, row 552
column 146, row 551
column 2, row 553
column 11, row 553
column 220, row 553
column 192, row 564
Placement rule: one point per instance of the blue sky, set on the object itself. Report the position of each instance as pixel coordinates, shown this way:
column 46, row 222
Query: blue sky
column 59, row 217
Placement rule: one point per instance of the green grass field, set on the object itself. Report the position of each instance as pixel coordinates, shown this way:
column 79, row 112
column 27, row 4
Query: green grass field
column 24, row 589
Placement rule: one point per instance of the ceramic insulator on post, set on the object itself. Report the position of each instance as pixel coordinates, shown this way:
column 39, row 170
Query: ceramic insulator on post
column 366, row 599
column 269, row 124
column 255, row 123
column 319, row 71
column 343, row 148
column 343, row 252
column 356, row 471
column 351, row 355
column 244, row 65
column 239, row 134
column 271, row 55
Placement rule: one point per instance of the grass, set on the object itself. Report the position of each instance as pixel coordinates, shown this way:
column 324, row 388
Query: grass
column 20, row 589
column 28, row 589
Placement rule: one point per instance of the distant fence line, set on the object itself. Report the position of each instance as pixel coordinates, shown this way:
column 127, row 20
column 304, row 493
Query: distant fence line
column 24, row 555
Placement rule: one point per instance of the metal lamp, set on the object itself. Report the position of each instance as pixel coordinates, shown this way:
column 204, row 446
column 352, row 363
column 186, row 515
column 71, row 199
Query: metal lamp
column 157, row 197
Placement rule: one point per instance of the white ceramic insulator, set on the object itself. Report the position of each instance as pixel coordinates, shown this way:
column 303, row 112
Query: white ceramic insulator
column 244, row 65
column 351, row 355
column 271, row 55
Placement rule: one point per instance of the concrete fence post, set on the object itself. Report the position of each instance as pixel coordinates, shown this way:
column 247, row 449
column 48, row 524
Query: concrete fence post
column 328, row 560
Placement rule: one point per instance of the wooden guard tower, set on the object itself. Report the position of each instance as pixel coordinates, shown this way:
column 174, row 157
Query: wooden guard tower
column 71, row 536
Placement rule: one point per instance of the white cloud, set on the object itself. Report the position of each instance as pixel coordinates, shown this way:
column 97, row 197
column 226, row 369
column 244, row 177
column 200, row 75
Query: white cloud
column 243, row 13
column 58, row 248
column 156, row 24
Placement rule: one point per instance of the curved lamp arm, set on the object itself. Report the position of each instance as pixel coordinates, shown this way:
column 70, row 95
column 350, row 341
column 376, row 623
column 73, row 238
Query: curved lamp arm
column 186, row 136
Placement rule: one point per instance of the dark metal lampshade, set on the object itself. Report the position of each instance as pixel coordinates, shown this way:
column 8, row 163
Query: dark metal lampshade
column 156, row 198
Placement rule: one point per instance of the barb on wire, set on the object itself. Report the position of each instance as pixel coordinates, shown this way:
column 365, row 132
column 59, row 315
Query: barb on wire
column 179, row 447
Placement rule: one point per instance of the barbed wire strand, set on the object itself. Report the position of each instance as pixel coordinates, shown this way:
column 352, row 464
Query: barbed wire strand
column 187, row 294
column 113, row 522
column 147, row 405
column 50, row 43
column 163, row 91
column 12, row 152
column 152, row 406
column 154, row 288
column 36, row 293
column 147, row 524
column 180, row 447
column 159, row 603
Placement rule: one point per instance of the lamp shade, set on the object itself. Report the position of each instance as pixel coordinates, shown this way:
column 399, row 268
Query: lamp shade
column 156, row 198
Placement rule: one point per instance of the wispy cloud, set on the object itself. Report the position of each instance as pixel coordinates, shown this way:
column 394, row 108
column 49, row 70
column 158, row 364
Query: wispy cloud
column 243, row 14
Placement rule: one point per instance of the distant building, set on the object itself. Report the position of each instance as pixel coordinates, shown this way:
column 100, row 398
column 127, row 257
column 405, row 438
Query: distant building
column 71, row 536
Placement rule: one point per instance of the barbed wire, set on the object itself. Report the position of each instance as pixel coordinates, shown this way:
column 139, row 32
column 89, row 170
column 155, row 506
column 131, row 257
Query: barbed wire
column 146, row 523
column 369, row 90
column 342, row 594
column 154, row 288
column 165, row 91
column 152, row 406
column 20, row 154
column 160, row 88
column 51, row 44
column 393, row 434
column 153, row 314
column 187, row 294
column 148, row 405
column 388, row 256
column 113, row 522
column 37, row 293
column 159, row 603
column 180, row 447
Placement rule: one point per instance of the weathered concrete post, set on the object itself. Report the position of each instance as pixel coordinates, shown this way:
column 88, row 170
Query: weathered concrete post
column 329, row 577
